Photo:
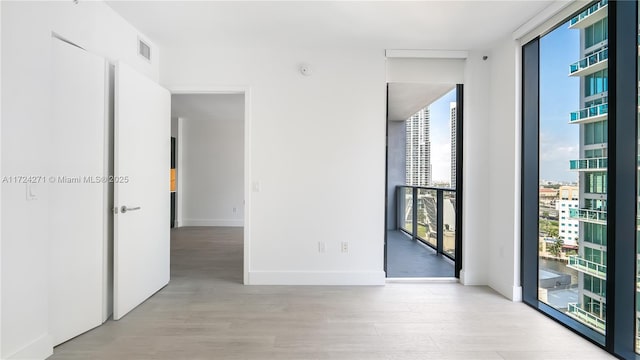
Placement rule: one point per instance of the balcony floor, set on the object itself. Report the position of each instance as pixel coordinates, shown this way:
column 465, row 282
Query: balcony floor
column 409, row 258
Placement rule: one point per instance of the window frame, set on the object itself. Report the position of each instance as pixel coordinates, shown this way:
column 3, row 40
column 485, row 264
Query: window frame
column 621, row 182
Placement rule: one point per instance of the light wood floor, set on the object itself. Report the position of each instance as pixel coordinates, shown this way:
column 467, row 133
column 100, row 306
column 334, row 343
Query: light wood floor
column 206, row 313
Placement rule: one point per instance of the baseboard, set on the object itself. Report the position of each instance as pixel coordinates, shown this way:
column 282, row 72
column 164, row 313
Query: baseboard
column 40, row 348
column 316, row 278
column 471, row 279
column 517, row 294
column 423, row 280
column 212, row 222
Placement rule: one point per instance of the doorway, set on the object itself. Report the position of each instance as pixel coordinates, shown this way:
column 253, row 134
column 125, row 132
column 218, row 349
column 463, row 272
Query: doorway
column 210, row 181
column 423, row 180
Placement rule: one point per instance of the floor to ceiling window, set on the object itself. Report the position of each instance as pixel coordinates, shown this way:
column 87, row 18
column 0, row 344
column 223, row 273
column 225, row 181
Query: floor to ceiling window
column 579, row 191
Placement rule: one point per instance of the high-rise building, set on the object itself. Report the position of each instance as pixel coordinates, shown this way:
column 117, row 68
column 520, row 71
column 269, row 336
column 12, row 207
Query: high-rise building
column 568, row 227
column 418, row 168
column 452, row 125
column 590, row 262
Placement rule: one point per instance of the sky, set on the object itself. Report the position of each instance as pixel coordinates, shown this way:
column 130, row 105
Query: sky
column 559, row 96
column 441, row 138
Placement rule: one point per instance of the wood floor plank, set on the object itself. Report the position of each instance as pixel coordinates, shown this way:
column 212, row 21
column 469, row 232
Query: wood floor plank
column 206, row 313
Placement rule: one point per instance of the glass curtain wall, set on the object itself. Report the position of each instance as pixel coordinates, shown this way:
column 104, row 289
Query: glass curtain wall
column 580, row 187
column 572, row 263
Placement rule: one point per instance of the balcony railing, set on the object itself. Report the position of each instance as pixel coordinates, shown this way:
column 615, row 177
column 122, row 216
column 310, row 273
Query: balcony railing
column 593, row 321
column 588, row 267
column 588, row 215
column 434, row 222
column 589, row 114
column 590, row 61
column 592, row 164
column 588, row 12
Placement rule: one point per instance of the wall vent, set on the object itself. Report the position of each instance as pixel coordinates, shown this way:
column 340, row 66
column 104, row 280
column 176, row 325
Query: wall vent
column 144, row 49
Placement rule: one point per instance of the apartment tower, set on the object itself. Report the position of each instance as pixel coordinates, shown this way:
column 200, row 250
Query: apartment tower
column 452, row 126
column 418, row 168
column 591, row 259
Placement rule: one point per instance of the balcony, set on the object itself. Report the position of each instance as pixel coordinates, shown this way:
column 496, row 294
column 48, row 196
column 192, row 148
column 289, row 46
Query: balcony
column 590, row 16
column 434, row 222
column 590, row 216
column 590, row 64
column 587, row 267
column 575, row 311
column 591, row 164
column 590, row 114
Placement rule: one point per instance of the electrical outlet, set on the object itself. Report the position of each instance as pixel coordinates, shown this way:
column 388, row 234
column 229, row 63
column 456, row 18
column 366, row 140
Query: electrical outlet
column 345, row 247
column 321, row 247
column 235, row 210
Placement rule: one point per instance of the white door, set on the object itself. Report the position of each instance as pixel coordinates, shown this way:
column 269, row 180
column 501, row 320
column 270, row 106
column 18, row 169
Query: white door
column 142, row 146
column 77, row 225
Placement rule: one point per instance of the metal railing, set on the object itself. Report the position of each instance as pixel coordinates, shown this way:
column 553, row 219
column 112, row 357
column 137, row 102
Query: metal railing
column 589, row 164
column 588, row 267
column 593, row 111
column 586, row 317
column 592, row 9
column 588, row 215
column 428, row 215
column 590, row 60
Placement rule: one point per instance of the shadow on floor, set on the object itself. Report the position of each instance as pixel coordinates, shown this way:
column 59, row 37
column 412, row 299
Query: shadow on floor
column 411, row 258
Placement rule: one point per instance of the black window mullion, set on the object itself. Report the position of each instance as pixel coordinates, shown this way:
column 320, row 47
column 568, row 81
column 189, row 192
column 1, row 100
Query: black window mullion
column 459, row 176
column 529, row 171
column 622, row 169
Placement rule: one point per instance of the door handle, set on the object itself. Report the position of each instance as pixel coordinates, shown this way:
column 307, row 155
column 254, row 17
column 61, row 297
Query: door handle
column 124, row 208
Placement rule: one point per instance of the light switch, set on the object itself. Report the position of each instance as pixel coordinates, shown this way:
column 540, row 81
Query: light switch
column 32, row 192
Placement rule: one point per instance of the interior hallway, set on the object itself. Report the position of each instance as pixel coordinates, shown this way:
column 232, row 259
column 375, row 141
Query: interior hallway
column 206, row 313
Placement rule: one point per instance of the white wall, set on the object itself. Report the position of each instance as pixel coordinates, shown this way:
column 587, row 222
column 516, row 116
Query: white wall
column 476, row 176
column 317, row 150
column 26, row 104
column 504, row 170
column 317, row 154
column 213, row 158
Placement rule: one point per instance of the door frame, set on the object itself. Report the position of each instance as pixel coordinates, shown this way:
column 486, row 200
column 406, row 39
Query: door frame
column 229, row 90
column 459, row 89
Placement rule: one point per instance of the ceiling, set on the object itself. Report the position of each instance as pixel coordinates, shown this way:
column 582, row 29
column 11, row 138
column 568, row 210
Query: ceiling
column 448, row 25
column 405, row 99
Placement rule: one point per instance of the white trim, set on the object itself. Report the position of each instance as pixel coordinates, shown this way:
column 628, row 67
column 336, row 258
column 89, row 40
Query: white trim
column 517, row 178
column 317, row 278
column 427, row 54
column 546, row 19
column 516, row 294
column 234, row 89
column 180, row 175
column 1, row 325
column 212, row 222
column 40, row 348
column 247, row 184
column 423, row 280
column 214, row 89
